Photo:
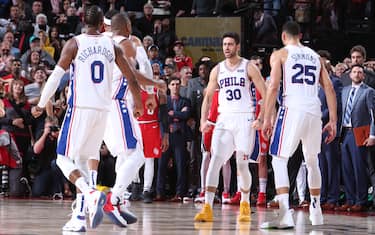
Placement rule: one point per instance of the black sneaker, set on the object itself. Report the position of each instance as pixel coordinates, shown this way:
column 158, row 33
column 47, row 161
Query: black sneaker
column 147, row 197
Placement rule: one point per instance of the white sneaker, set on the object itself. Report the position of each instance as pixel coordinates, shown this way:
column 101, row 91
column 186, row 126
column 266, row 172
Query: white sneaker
column 75, row 224
column 283, row 221
column 124, row 206
column 316, row 216
column 225, row 198
column 95, row 202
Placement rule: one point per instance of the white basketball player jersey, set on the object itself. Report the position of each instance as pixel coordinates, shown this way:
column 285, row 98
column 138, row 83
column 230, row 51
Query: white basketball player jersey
column 91, row 72
column 300, row 82
column 235, row 89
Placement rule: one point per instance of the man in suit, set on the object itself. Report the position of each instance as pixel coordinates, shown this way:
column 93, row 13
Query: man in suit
column 178, row 114
column 358, row 110
column 329, row 158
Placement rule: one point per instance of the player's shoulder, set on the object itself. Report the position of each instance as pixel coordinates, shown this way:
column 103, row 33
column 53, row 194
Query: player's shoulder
column 136, row 40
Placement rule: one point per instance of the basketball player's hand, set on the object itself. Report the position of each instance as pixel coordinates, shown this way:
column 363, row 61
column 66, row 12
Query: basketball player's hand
column 151, row 102
column 257, row 124
column 160, row 84
column 205, row 126
column 267, row 129
column 165, row 142
column 369, row 142
column 36, row 111
column 330, row 127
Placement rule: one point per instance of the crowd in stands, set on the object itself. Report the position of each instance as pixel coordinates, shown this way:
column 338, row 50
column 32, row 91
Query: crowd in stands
column 32, row 34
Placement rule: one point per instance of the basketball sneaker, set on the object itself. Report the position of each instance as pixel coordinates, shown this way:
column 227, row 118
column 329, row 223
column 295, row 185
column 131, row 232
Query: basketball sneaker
column 235, row 200
column 225, row 198
column 283, row 221
column 77, row 222
column 200, row 198
column 113, row 211
column 261, row 201
column 316, row 216
column 245, row 212
column 95, row 203
column 205, row 215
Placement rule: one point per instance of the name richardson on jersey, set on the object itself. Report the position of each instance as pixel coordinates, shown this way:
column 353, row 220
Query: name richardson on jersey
column 302, row 56
column 232, row 81
column 95, row 50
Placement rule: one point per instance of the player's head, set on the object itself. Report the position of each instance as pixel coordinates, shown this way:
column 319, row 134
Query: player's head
column 231, row 44
column 291, row 30
column 94, row 16
column 121, row 24
column 107, row 19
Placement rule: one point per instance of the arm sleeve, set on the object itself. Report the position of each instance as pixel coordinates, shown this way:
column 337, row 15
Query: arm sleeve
column 51, row 86
column 163, row 113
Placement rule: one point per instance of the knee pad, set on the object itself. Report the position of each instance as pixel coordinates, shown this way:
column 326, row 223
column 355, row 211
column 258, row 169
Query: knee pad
column 280, row 169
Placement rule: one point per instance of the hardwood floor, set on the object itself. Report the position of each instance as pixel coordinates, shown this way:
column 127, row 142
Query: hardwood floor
column 29, row 217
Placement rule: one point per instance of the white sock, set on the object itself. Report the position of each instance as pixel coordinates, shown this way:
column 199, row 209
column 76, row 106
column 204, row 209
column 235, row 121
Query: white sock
column 93, row 177
column 245, row 197
column 82, row 185
column 209, row 198
column 283, row 201
column 262, row 185
column 315, row 201
column 80, row 204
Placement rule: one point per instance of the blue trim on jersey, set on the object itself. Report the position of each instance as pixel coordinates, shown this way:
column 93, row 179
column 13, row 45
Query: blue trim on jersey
column 255, row 154
column 61, row 145
column 121, row 92
column 71, row 98
column 131, row 141
column 274, row 148
column 280, row 95
column 253, row 94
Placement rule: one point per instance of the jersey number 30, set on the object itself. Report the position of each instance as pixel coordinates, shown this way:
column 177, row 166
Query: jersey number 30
column 304, row 74
column 97, row 71
column 233, row 94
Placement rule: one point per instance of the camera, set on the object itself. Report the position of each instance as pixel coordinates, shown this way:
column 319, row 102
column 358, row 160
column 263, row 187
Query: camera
column 54, row 128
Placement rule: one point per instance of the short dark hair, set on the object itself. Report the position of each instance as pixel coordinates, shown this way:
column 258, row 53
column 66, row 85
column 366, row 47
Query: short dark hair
column 233, row 35
column 360, row 49
column 292, row 28
column 93, row 16
column 357, row 65
column 173, row 78
column 110, row 13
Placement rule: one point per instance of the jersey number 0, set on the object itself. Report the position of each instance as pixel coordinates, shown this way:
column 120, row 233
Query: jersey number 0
column 97, row 71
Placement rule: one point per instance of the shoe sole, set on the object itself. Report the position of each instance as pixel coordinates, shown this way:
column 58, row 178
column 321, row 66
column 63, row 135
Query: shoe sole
column 98, row 217
column 114, row 220
column 129, row 217
column 81, row 230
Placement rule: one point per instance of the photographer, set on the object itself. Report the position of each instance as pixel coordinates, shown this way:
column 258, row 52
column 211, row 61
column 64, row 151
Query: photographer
column 48, row 179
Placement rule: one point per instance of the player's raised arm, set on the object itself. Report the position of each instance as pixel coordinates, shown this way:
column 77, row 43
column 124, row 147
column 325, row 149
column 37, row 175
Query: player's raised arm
column 272, row 91
column 326, row 84
column 67, row 55
column 210, row 90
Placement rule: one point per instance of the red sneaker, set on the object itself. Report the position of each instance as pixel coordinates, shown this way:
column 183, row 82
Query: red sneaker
column 261, row 201
column 236, row 199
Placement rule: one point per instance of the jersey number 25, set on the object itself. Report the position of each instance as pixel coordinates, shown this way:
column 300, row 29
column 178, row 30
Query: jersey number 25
column 304, row 74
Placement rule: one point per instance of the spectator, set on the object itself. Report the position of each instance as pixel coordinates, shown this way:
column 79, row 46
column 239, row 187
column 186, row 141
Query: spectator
column 17, row 119
column 147, row 41
column 358, row 56
column 45, row 43
column 9, row 37
column 169, row 70
column 32, row 61
column 204, row 8
column 178, row 114
column 340, row 69
column 35, row 46
column 135, row 7
column 165, row 39
column 48, row 179
column 153, row 55
column 265, row 29
column 181, row 8
column 55, row 42
column 186, row 75
column 15, row 74
column 33, row 90
column 180, row 58
column 145, row 23
column 40, row 24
